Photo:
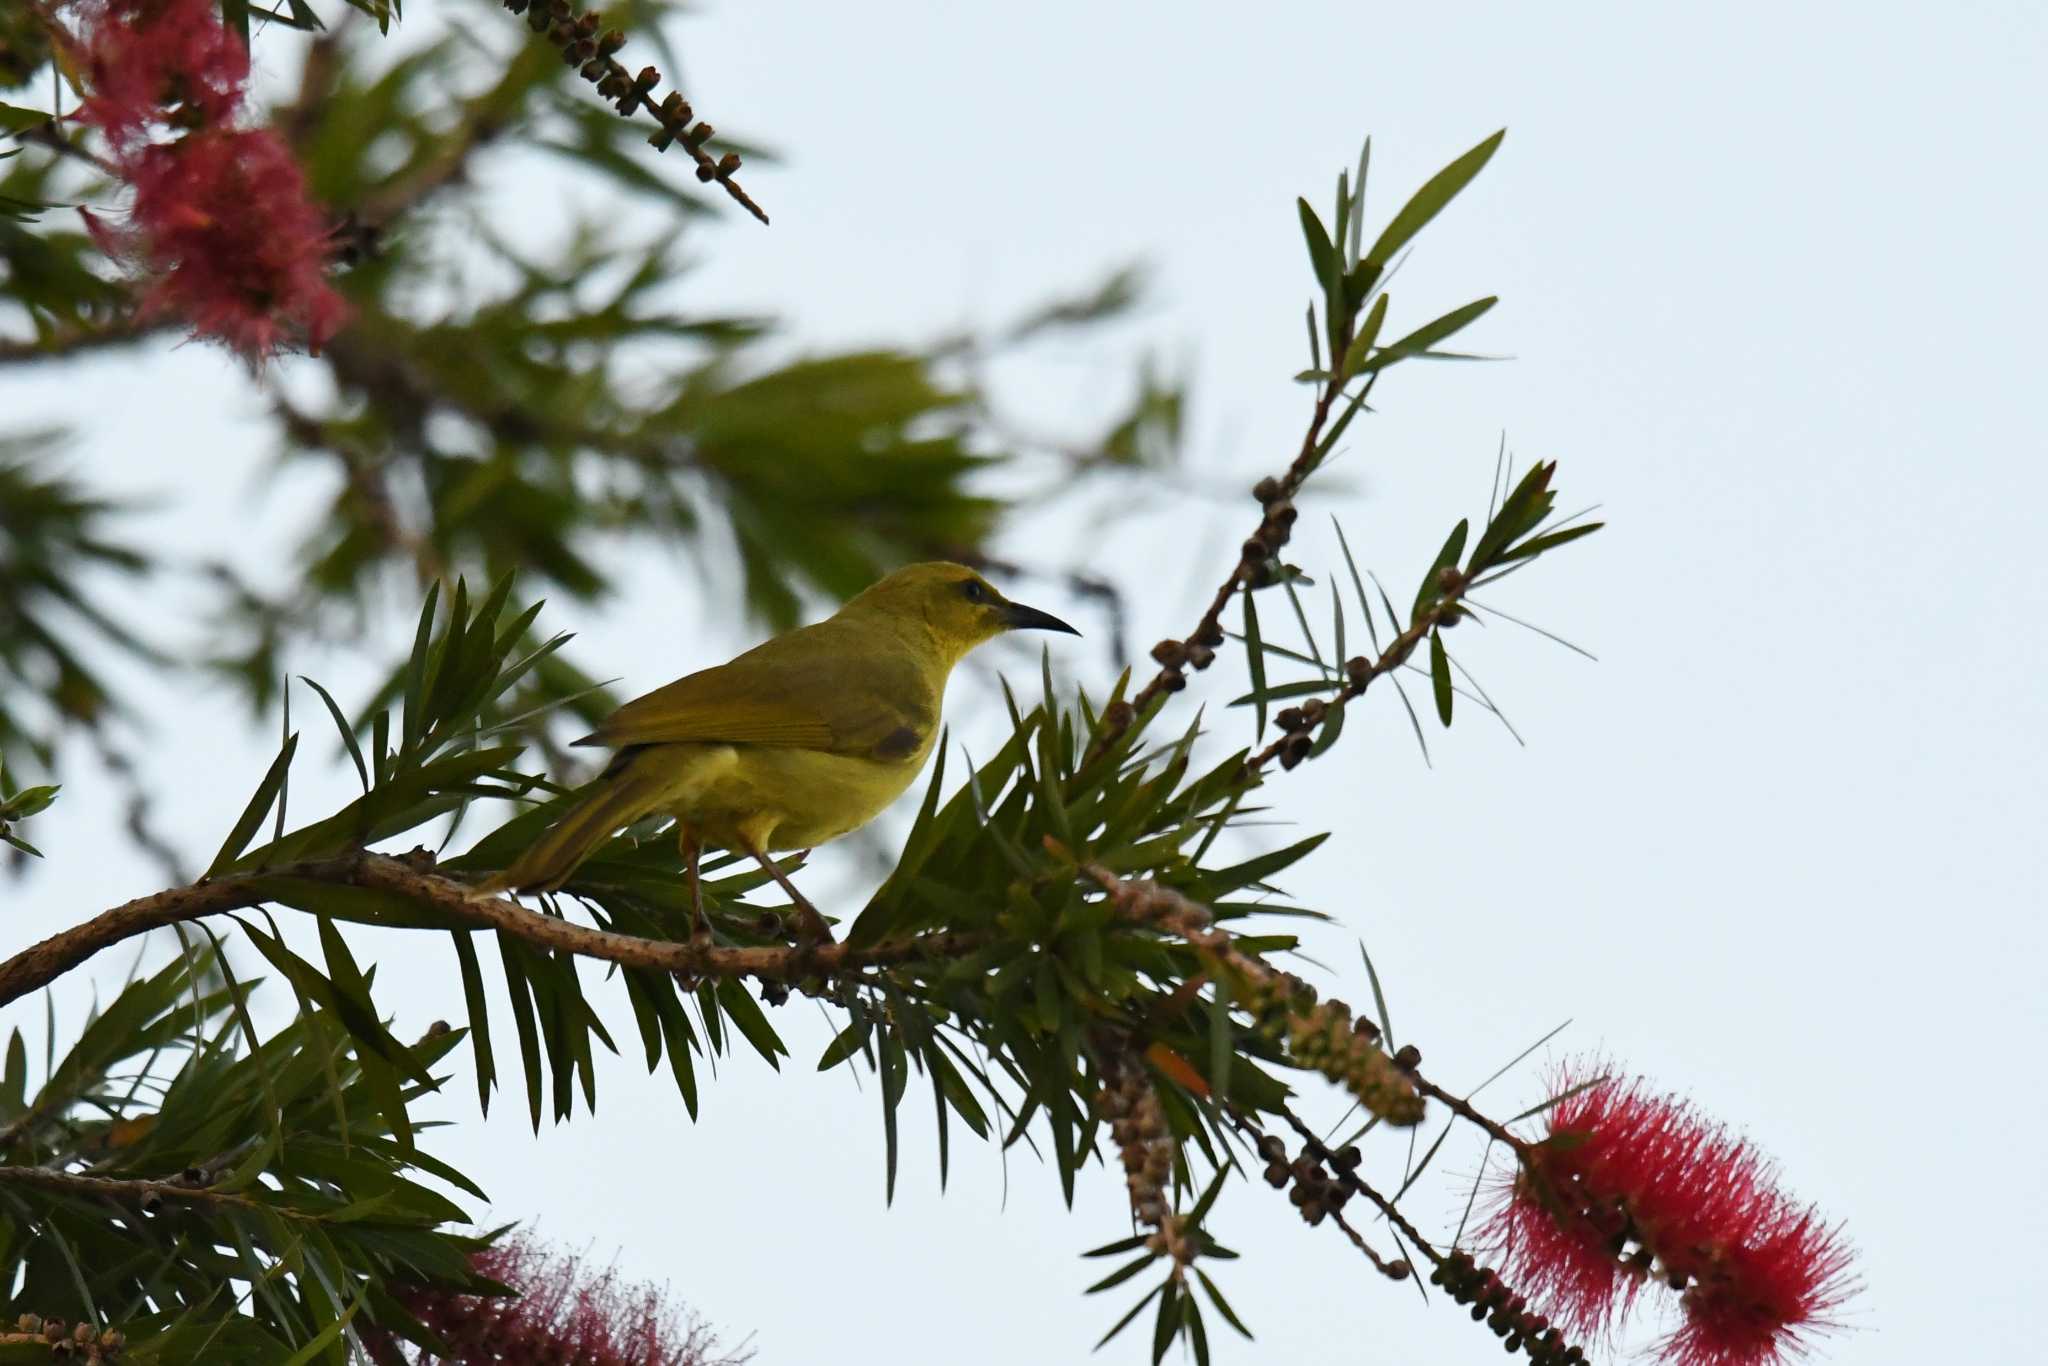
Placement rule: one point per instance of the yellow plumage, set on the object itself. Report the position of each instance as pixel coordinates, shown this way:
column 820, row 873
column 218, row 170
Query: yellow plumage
column 798, row 741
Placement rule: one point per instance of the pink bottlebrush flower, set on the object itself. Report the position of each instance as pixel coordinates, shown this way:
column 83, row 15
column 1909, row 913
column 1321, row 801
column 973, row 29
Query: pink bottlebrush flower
column 224, row 235
column 1629, row 1188
column 1766, row 1303
column 562, row 1315
column 146, row 59
column 220, row 231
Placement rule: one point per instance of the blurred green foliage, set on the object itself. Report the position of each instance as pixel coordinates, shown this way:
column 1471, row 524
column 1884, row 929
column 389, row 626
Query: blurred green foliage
column 516, row 392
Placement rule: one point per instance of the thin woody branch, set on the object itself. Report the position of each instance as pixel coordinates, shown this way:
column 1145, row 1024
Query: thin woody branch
column 1298, row 724
column 1254, row 564
column 145, row 1195
column 43, row 963
column 584, row 47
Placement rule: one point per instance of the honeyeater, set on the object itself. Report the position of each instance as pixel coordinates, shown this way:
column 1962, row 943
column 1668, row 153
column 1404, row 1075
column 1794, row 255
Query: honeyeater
column 798, row 741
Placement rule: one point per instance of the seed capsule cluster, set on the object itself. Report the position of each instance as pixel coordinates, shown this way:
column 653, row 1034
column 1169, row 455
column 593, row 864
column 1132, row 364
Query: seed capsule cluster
column 1310, row 1188
column 1324, row 1036
column 1261, row 548
column 589, row 47
column 1176, row 657
column 1137, row 1124
column 1298, row 726
column 1504, row 1311
column 73, row 1342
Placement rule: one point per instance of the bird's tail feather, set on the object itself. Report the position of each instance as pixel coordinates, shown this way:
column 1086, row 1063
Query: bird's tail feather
column 618, row 801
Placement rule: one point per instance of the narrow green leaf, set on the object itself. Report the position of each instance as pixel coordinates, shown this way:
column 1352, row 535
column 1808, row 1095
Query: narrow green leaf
column 1368, row 337
column 1123, row 1273
column 1125, row 1321
column 1414, row 721
column 1222, row 1305
column 1257, row 663
column 317, row 1347
column 1419, row 342
column 1446, row 558
column 741, row 1009
column 1322, row 256
column 892, row 1061
column 15, row 119
column 1198, row 1333
column 1167, row 1326
column 1130, row 1244
column 518, row 989
column 258, row 807
column 479, row 1018
column 1379, row 998
column 1222, row 1044
column 284, row 789
column 416, row 669
column 1440, row 676
column 1357, row 216
column 1208, row 1200
column 1427, row 202
column 1539, row 544
column 348, row 733
column 844, row 1045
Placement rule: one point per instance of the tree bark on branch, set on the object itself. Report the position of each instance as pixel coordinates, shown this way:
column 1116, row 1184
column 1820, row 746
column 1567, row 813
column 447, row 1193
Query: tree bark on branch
column 40, row 964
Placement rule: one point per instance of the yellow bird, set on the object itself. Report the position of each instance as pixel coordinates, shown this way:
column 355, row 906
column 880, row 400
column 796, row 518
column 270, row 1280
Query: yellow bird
column 798, row 741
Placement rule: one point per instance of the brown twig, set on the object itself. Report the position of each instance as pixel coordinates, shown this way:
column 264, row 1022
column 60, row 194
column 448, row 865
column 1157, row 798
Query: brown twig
column 1313, row 1190
column 41, row 964
column 584, row 47
column 1298, row 724
column 1255, row 564
column 1358, row 1185
column 1462, row 1108
column 145, row 1194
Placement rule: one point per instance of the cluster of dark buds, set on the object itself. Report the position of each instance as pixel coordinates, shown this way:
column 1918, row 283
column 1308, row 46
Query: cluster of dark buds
column 1298, row 726
column 586, row 44
column 1324, row 1036
column 1260, row 566
column 1175, row 657
column 1310, row 1188
column 1504, row 1311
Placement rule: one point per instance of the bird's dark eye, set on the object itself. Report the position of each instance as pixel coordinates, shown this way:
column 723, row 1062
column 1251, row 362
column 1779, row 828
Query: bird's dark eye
column 972, row 588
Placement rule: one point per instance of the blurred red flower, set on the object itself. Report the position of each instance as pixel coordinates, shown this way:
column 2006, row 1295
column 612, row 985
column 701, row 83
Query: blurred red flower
column 1629, row 1188
column 561, row 1315
column 148, row 58
column 220, row 231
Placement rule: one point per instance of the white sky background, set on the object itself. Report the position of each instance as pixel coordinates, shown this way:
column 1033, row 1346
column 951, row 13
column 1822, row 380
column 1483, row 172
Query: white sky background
column 1773, row 280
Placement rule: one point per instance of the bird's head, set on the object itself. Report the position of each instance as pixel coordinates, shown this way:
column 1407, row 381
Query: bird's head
column 958, row 607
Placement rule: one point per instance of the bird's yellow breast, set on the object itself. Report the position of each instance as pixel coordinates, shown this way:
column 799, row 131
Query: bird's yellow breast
column 777, row 796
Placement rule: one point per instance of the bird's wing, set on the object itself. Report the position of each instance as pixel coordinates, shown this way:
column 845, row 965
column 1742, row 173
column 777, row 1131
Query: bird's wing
column 810, row 689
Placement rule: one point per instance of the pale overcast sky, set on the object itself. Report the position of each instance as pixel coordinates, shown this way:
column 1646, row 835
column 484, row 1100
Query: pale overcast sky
column 1772, row 281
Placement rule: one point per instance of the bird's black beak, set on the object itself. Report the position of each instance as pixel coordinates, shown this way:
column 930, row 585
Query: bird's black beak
column 1018, row 617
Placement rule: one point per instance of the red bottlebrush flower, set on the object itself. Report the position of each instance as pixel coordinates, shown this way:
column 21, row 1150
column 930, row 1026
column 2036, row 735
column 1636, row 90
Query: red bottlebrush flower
column 223, row 232
column 1628, row 1187
column 149, row 59
column 220, row 230
column 562, row 1315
